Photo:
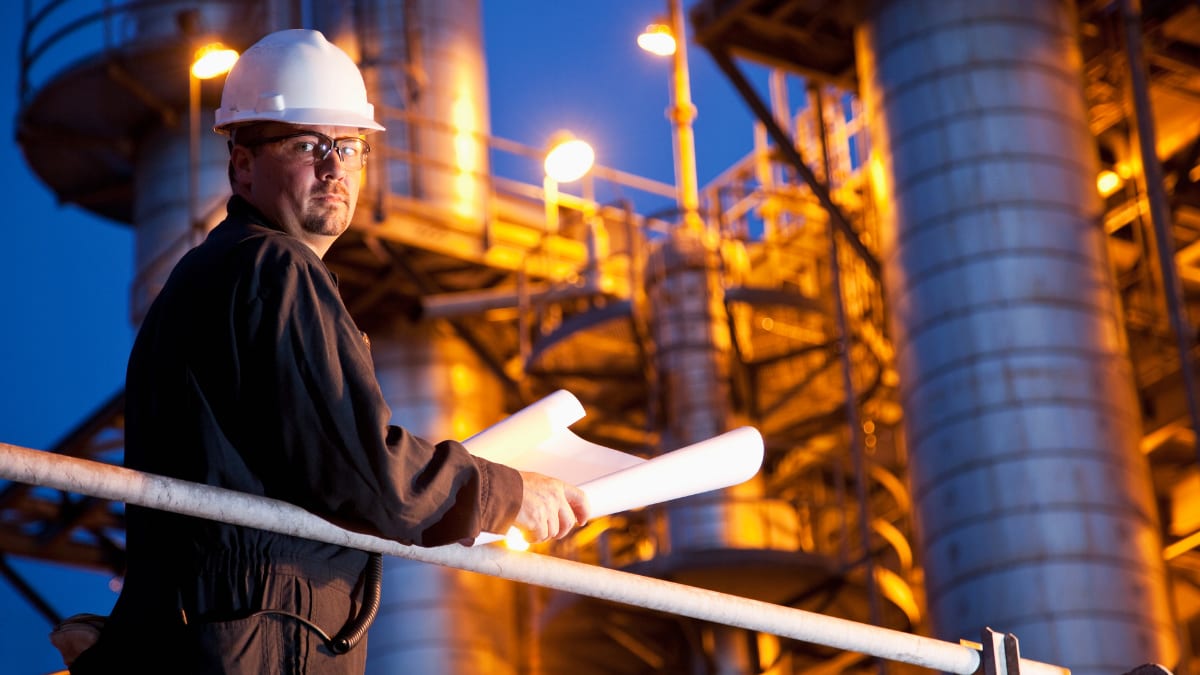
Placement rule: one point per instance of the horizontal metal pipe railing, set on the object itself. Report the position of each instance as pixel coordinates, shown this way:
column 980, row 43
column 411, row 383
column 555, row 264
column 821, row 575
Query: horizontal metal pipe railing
column 106, row 481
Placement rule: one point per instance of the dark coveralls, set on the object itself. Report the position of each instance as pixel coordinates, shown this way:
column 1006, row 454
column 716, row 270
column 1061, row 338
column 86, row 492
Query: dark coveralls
column 248, row 373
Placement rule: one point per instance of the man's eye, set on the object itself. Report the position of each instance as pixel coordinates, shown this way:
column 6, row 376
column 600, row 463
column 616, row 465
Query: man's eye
column 303, row 147
column 349, row 151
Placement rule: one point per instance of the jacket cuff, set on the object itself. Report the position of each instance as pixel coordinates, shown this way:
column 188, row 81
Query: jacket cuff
column 501, row 491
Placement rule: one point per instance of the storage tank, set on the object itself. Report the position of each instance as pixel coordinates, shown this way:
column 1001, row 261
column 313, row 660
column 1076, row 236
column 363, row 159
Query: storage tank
column 1036, row 514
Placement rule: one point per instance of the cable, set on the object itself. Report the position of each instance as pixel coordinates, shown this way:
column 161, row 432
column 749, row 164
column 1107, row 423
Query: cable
column 353, row 632
column 355, row 629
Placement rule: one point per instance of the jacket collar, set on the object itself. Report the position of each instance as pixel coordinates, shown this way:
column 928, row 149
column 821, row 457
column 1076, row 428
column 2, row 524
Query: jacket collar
column 241, row 209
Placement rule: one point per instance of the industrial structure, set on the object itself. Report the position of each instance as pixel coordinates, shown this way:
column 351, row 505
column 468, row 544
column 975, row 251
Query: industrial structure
column 972, row 364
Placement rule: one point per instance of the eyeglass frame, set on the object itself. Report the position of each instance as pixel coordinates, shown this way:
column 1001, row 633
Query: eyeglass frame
column 332, row 143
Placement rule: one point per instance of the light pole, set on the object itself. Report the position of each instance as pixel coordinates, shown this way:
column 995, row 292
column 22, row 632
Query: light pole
column 209, row 61
column 568, row 160
column 681, row 113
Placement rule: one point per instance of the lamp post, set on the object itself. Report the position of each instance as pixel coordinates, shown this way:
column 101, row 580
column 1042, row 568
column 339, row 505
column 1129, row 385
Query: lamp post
column 209, row 61
column 568, row 160
column 682, row 111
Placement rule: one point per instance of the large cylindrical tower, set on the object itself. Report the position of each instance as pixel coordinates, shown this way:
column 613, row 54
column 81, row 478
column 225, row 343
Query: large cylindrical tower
column 1036, row 513
column 435, row 619
column 424, row 66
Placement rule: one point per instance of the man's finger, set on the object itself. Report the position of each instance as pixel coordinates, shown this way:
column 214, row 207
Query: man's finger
column 578, row 500
column 566, row 520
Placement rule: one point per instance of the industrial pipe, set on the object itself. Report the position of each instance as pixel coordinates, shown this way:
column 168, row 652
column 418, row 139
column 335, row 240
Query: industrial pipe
column 1160, row 210
column 115, row 483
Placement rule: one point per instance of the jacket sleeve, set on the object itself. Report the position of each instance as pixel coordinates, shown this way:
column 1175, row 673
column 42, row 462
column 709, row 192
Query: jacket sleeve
column 320, row 424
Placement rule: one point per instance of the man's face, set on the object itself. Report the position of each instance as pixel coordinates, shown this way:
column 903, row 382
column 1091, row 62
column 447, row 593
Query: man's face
column 312, row 199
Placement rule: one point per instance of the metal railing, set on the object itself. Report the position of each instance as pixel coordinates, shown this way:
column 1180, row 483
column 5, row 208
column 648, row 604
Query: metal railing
column 104, row 481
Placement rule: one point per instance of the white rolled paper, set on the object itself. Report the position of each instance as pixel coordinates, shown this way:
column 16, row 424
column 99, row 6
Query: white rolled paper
column 536, row 438
column 530, row 426
column 719, row 462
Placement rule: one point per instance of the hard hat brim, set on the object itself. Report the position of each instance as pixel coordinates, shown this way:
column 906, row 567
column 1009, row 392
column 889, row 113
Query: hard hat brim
column 314, row 117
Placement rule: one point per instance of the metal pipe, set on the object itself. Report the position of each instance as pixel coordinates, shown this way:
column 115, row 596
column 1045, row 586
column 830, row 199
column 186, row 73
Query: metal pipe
column 1160, row 214
column 195, row 230
column 28, row 592
column 455, row 304
column 853, row 419
column 205, row 501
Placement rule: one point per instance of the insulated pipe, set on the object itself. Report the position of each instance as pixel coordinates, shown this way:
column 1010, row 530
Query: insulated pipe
column 105, row 481
column 1035, row 508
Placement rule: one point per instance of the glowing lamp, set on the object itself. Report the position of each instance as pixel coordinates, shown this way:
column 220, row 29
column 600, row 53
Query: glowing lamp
column 569, row 160
column 212, row 60
column 1108, row 182
column 657, row 39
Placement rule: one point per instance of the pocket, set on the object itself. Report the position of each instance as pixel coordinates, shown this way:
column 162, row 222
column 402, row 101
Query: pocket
column 255, row 645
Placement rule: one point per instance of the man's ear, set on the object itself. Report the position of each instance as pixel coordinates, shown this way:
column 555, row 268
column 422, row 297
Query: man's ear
column 241, row 164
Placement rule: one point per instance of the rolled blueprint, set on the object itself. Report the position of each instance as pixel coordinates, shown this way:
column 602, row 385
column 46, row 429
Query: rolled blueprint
column 536, row 438
column 719, row 462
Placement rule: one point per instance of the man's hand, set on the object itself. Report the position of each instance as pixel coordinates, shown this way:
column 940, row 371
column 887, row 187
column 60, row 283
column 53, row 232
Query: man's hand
column 550, row 508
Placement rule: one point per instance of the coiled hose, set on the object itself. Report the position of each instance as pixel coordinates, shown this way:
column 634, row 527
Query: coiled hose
column 355, row 629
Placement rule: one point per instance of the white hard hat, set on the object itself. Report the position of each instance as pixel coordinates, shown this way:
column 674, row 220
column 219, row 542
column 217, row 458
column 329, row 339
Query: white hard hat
column 297, row 77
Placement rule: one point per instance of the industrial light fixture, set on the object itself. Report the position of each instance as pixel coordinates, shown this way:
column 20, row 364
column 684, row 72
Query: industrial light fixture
column 569, row 158
column 657, row 39
column 1108, row 182
column 213, row 59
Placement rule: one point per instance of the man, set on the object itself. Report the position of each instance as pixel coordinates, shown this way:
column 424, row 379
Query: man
column 248, row 373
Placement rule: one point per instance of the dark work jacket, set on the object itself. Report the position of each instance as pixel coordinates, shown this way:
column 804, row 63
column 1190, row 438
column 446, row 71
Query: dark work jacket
column 249, row 374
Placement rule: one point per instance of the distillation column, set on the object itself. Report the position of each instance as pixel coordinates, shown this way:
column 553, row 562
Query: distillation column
column 424, row 59
column 434, row 619
column 691, row 353
column 1035, row 508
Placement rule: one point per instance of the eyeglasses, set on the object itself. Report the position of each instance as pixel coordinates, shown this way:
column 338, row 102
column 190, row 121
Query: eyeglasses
column 306, row 148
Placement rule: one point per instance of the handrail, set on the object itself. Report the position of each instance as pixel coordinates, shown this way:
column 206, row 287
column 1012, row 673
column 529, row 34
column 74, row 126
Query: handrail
column 115, row 483
column 75, row 16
